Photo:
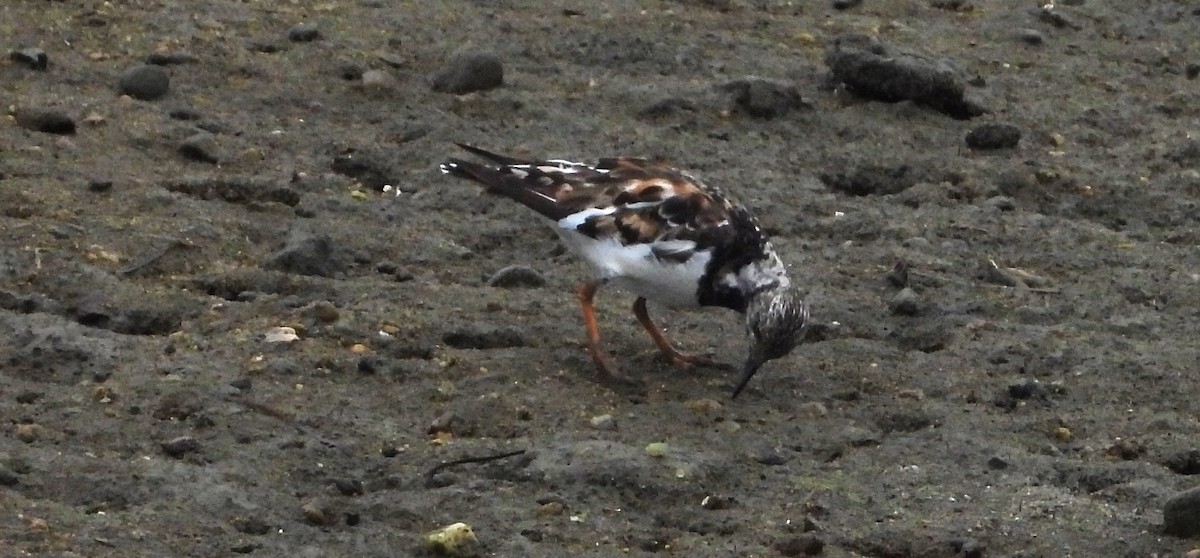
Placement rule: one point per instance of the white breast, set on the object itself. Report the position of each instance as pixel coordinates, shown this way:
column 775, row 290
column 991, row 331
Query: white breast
column 636, row 269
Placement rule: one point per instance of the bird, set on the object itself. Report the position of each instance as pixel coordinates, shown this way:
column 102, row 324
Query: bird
column 660, row 233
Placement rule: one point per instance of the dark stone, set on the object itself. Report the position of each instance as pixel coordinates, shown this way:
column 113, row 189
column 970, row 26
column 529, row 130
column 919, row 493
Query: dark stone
column 1186, row 462
column 242, row 384
column 46, row 121
column 304, row 33
column 870, row 179
column 484, row 336
column 8, row 477
column 994, row 136
column 33, row 57
column 469, row 72
column 997, row 464
column 1031, row 37
column 762, row 98
column 667, row 107
column 1027, row 389
column 251, row 525
column 770, row 459
column 201, row 147
column 870, row 69
column 170, row 58
column 366, row 168
column 368, row 365
column 146, row 82
column 1181, row 514
column 1192, row 70
column 184, row 113
column 180, row 446
column 99, row 185
column 307, row 253
column 516, row 276
column 898, row 275
column 845, row 4
column 349, row 487
column 807, row 544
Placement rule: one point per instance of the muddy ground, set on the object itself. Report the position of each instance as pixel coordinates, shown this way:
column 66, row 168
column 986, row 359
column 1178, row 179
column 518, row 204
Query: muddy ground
column 1033, row 392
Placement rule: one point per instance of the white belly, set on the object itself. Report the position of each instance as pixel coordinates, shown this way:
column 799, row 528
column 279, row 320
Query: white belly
column 636, row 269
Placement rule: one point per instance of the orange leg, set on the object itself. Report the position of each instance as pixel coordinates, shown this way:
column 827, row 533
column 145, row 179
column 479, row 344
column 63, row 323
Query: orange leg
column 587, row 295
column 673, row 356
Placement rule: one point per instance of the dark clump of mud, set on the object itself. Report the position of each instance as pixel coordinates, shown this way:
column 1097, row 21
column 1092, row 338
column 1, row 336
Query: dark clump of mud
column 242, row 313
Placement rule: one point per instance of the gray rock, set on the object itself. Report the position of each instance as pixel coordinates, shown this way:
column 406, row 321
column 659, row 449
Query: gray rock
column 378, row 80
column 845, row 4
column 33, row 57
column 1031, row 37
column 1181, row 514
column 517, row 276
column 146, row 82
column 307, row 253
column 45, row 120
column 180, row 446
column 201, row 147
column 993, row 136
column 905, row 303
column 870, row 69
column 304, row 32
column 764, row 98
column 469, row 72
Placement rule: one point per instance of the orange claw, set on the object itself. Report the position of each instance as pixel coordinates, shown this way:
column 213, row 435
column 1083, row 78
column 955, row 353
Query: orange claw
column 675, row 357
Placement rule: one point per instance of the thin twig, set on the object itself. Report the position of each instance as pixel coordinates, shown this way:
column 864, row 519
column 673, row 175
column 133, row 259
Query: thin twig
column 482, row 459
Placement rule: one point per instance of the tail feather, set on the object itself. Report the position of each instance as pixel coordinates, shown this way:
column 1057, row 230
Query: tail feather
column 493, row 157
column 505, row 183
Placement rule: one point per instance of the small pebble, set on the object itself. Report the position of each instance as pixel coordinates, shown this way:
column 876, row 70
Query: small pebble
column 550, row 509
column 33, row 57
column 378, row 80
column 845, row 4
column 656, row 449
column 251, row 525
column 1192, row 70
column 281, row 334
column 603, row 422
column 322, row 310
column 304, row 32
column 146, row 82
column 517, row 276
column 99, row 185
column 994, row 136
column 180, row 446
column 905, row 303
column 770, row 458
column 469, row 72
column 28, row 433
column 1031, row 37
column 317, row 513
column 997, row 464
column 349, row 487
column 8, row 477
column 201, row 147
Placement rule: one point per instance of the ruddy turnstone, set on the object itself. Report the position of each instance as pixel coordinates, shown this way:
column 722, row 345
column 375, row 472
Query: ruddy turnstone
column 662, row 234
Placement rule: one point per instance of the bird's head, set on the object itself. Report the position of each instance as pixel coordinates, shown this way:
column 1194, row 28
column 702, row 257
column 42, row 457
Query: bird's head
column 777, row 320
